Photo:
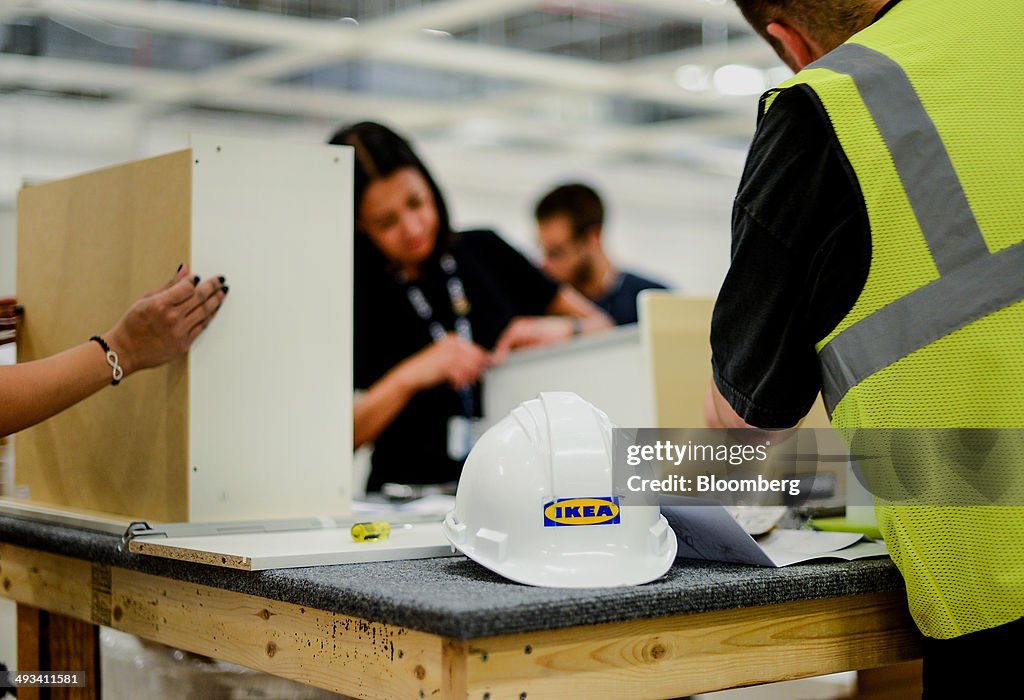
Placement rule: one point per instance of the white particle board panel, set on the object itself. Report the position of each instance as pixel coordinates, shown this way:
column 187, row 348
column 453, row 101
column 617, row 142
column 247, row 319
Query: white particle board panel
column 270, row 426
column 281, row 550
column 607, row 369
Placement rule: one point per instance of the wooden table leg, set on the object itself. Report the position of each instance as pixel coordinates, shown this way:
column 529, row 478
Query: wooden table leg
column 53, row 642
column 894, row 682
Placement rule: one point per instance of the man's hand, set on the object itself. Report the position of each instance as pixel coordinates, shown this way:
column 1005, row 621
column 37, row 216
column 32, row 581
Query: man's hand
column 526, row 331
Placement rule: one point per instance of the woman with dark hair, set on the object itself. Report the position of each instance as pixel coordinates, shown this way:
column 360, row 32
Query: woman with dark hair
column 433, row 309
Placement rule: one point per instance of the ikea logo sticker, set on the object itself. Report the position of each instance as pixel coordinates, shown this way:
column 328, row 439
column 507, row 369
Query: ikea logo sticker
column 601, row 510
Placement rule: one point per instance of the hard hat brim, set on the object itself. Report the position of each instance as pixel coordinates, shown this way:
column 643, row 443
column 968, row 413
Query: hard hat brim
column 575, row 569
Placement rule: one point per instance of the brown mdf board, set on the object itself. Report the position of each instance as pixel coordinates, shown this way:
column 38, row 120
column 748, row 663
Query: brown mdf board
column 677, row 336
column 88, row 247
column 256, row 421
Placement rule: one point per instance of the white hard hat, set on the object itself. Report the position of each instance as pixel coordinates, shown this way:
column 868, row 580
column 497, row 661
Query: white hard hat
column 535, row 502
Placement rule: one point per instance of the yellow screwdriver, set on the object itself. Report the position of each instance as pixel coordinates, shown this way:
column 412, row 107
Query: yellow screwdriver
column 371, row 532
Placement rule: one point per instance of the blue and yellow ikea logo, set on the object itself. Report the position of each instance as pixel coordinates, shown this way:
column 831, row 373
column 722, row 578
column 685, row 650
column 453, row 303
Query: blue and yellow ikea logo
column 601, row 510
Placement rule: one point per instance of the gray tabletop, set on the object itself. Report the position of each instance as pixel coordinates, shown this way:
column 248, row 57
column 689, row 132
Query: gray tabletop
column 455, row 597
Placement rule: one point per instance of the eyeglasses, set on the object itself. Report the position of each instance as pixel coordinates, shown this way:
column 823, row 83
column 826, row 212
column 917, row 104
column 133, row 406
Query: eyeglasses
column 562, row 250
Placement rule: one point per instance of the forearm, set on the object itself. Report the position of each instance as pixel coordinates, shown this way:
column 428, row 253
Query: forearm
column 569, row 302
column 719, row 414
column 376, row 408
column 594, row 321
column 33, row 391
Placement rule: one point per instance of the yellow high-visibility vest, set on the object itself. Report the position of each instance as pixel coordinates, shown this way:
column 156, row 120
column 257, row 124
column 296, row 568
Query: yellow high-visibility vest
column 928, row 106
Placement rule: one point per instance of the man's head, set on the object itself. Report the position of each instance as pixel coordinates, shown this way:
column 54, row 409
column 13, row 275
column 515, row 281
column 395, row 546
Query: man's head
column 569, row 221
column 802, row 31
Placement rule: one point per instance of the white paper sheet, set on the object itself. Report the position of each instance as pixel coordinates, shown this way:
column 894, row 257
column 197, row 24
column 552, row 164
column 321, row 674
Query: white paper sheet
column 706, row 530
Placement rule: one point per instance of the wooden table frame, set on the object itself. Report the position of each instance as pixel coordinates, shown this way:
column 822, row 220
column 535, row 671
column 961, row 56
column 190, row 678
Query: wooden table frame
column 650, row 658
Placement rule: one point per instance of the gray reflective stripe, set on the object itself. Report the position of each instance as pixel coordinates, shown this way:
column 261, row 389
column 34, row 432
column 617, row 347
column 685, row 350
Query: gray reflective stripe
column 917, row 150
column 972, row 283
column 973, row 291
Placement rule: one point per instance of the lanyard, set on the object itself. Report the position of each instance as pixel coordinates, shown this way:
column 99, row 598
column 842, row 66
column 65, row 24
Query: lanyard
column 460, row 307
column 457, row 296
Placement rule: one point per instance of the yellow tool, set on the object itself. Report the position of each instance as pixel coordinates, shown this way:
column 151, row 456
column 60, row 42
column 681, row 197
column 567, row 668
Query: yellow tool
column 371, row 532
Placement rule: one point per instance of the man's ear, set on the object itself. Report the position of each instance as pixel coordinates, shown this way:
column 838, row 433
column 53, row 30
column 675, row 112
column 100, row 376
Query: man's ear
column 799, row 48
column 593, row 237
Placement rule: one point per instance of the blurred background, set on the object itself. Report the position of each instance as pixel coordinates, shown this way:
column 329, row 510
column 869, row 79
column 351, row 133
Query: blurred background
column 652, row 101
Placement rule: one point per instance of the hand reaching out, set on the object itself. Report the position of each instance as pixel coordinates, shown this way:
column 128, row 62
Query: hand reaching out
column 525, row 331
column 164, row 323
column 158, row 327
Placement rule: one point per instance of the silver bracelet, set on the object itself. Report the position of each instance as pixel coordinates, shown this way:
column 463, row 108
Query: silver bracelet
column 112, row 360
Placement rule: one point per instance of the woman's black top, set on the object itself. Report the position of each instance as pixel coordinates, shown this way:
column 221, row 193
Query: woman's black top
column 500, row 284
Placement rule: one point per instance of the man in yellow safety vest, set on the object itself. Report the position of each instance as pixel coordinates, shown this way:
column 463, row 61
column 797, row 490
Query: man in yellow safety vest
column 878, row 257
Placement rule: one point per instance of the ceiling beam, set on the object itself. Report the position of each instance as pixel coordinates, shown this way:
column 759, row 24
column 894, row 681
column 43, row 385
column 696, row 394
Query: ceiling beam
column 309, row 43
column 269, row 29
column 750, row 50
column 209, row 21
column 560, row 102
column 75, row 75
column 8, row 9
column 335, row 42
column 563, row 72
column 69, row 75
column 695, row 10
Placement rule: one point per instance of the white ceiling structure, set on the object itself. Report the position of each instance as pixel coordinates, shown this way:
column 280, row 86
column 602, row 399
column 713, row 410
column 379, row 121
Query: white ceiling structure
column 661, row 91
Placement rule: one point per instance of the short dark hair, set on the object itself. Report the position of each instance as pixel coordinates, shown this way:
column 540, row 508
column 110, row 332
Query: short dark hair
column 830, row 21
column 379, row 152
column 581, row 203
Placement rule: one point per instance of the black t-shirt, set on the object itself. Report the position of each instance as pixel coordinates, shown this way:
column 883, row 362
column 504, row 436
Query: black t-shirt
column 500, row 284
column 801, row 251
column 620, row 301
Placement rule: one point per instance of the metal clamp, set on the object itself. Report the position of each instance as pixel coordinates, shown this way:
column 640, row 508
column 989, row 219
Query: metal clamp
column 135, row 528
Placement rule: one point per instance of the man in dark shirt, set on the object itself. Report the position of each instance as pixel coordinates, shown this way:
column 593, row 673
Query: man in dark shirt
column 801, row 248
column 570, row 220
column 801, row 252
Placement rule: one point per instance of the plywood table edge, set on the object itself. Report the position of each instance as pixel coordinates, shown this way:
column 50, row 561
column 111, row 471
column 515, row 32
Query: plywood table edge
column 654, row 657
column 337, row 652
column 698, row 652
